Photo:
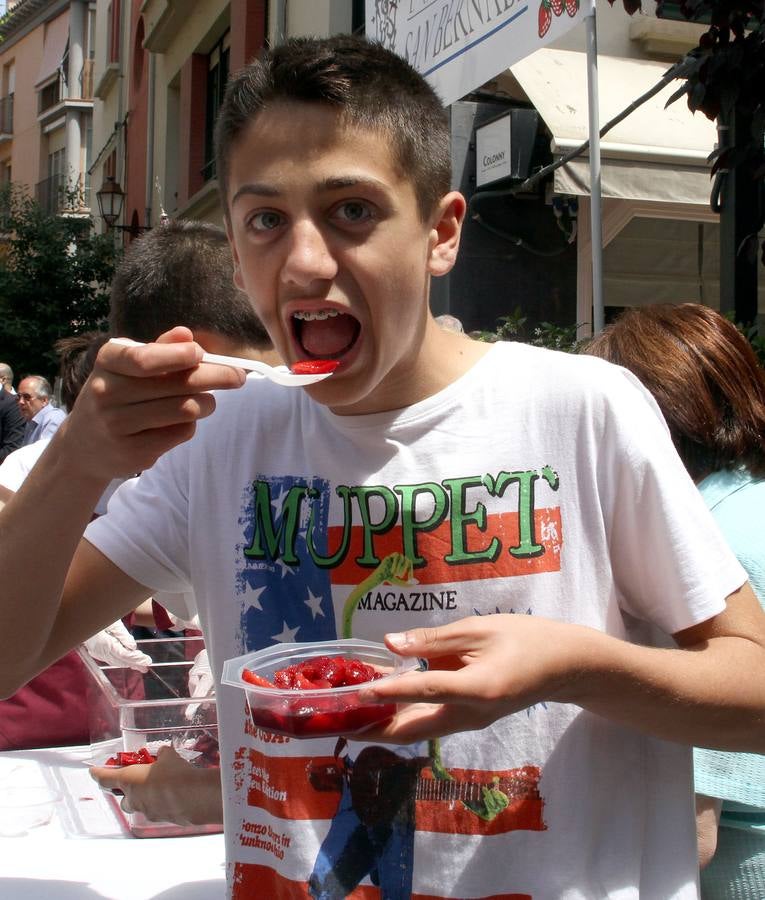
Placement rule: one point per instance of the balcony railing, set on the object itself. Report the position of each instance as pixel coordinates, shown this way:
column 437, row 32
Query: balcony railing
column 6, row 115
column 52, row 94
column 50, row 194
column 56, row 195
column 57, row 90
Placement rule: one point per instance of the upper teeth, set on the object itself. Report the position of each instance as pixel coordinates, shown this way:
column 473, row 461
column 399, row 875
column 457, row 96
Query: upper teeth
column 316, row 314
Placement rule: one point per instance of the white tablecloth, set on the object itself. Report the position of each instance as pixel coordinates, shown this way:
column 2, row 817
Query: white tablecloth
column 85, row 852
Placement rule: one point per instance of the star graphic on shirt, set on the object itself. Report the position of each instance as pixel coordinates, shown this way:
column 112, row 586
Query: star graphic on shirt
column 314, row 604
column 287, row 634
column 285, row 569
column 253, row 598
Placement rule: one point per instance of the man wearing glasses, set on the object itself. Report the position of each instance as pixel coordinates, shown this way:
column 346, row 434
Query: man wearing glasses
column 42, row 418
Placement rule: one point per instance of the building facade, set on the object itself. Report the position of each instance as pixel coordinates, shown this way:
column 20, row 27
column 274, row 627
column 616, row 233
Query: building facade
column 123, row 95
column 46, row 100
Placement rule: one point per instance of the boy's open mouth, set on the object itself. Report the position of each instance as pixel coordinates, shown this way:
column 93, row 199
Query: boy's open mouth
column 325, row 333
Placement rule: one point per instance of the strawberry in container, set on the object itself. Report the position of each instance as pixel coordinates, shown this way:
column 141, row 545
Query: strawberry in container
column 312, row 689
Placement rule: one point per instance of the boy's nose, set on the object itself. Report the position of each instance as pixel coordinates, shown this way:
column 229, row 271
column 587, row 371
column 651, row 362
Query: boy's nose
column 309, row 257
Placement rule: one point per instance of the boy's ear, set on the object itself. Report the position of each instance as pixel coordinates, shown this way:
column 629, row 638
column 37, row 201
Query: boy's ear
column 446, row 232
column 237, row 268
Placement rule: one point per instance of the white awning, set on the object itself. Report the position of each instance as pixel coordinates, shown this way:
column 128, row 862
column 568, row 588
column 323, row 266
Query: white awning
column 654, row 154
column 56, row 37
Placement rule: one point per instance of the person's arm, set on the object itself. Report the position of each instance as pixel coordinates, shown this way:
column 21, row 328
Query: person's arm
column 708, row 811
column 138, row 403
column 485, row 667
column 168, row 790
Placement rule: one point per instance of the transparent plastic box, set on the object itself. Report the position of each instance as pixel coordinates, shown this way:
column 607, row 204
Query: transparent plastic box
column 321, row 712
column 128, row 710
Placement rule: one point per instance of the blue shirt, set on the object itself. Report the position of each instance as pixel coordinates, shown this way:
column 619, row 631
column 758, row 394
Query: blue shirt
column 737, row 502
column 43, row 424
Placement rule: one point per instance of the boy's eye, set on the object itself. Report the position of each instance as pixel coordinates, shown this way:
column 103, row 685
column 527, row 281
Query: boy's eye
column 353, row 211
column 265, row 220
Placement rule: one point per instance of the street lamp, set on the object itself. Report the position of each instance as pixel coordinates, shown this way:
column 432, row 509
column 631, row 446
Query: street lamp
column 110, row 199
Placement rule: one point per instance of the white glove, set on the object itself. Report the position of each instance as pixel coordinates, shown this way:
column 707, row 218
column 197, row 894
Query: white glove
column 201, row 682
column 116, row 646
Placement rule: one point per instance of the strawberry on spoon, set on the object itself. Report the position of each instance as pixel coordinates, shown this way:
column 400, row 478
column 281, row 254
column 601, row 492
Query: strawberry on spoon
column 314, row 366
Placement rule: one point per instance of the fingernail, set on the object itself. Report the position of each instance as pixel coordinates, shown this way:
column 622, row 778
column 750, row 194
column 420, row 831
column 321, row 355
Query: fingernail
column 399, row 640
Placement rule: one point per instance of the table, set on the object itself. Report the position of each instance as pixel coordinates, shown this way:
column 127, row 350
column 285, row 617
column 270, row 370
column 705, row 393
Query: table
column 86, row 853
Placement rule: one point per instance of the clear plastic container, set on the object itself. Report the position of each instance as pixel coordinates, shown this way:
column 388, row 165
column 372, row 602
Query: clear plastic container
column 128, row 710
column 319, row 712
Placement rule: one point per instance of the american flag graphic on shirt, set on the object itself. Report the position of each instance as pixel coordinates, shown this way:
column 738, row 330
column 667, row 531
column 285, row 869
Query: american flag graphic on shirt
column 299, row 565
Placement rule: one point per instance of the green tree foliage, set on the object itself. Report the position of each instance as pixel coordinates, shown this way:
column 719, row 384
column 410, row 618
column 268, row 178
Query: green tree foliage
column 55, row 273
column 512, row 327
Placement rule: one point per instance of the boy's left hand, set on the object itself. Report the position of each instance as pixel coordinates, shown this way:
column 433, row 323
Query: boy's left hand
column 480, row 669
column 486, row 667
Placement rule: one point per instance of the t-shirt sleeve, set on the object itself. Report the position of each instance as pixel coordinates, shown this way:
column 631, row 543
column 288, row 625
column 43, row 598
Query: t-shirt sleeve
column 671, row 563
column 145, row 529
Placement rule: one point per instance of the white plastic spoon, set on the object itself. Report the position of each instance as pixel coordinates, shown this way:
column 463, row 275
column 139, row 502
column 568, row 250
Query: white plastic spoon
column 278, row 374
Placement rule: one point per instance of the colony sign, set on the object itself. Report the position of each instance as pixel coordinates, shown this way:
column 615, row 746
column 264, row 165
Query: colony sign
column 493, row 151
column 458, row 45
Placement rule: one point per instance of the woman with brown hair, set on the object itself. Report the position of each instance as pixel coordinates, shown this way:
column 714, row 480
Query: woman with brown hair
column 710, row 387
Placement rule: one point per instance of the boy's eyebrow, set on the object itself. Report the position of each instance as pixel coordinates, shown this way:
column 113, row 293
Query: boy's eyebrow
column 338, row 182
column 334, row 183
column 260, row 190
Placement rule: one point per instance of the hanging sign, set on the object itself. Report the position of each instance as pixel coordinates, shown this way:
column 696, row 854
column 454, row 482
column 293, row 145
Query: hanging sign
column 458, row 45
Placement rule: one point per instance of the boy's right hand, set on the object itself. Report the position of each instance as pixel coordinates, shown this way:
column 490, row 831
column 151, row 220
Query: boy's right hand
column 140, row 402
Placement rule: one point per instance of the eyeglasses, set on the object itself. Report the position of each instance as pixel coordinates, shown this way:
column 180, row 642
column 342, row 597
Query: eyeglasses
column 26, row 397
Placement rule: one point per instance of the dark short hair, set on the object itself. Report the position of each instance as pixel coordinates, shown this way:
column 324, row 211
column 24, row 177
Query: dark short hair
column 181, row 273
column 704, row 376
column 370, row 86
column 77, row 356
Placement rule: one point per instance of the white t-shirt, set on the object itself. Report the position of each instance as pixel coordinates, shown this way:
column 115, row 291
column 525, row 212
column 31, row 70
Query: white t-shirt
column 17, row 465
column 539, row 484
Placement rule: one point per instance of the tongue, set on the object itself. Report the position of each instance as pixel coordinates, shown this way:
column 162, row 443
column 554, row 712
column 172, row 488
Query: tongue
column 327, row 337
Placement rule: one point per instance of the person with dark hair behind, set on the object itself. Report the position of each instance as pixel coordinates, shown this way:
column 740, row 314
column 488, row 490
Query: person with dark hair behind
column 182, row 274
column 710, row 387
column 77, row 354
